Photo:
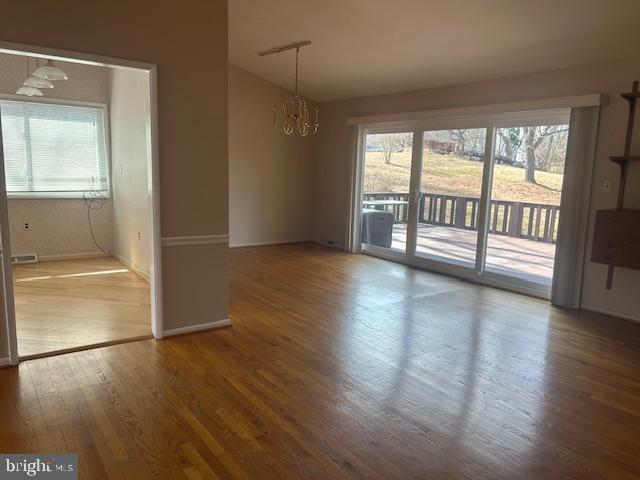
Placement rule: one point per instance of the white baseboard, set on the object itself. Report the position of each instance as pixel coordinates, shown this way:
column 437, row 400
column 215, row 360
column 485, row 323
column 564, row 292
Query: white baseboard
column 611, row 313
column 197, row 328
column 5, row 362
column 195, row 240
column 70, row 256
column 132, row 266
column 264, row 244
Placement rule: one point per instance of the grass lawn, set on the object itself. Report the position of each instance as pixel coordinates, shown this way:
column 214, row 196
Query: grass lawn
column 452, row 175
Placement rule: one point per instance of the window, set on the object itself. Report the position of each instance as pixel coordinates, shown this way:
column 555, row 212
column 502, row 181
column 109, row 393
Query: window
column 53, row 150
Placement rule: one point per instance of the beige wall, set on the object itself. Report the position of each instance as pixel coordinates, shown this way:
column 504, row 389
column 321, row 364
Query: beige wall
column 58, row 226
column 333, row 153
column 129, row 94
column 269, row 172
column 188, row 43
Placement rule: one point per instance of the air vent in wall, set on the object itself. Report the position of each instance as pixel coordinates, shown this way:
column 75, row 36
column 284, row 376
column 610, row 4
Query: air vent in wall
column 29, row 258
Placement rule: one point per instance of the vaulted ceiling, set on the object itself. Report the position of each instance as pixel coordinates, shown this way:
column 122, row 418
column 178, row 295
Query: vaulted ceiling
column 370, row 47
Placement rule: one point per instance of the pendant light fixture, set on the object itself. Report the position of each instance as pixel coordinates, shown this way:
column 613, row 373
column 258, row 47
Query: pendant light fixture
column 29, row 90
column 50, row 72
column 293, row 114
column 38, row 82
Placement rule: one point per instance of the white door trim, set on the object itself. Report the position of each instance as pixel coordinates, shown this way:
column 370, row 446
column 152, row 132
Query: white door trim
column 27, row 50
column 5, row 257
column 153, row 178
column 153, row 168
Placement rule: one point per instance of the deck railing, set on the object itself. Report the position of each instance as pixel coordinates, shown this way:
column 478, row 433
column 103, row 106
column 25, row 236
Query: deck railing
column 533, row 221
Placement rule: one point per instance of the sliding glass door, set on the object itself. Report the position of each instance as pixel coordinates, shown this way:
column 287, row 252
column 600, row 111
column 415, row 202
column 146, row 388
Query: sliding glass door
column 385, row 190
column 480, row 199
column 450, row 187
column 524, row 214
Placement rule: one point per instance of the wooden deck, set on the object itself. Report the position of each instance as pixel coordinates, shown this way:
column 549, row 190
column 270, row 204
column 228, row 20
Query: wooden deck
column 526, row 259
column 343, row 366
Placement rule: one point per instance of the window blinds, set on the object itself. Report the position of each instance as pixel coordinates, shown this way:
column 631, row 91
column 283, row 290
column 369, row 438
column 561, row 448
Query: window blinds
column 51, row 148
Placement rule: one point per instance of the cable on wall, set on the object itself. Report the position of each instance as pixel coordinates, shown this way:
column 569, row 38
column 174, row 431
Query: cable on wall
column 94, row 200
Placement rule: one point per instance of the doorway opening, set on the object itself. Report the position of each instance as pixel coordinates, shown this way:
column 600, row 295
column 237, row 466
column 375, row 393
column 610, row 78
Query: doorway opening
column 79, row 201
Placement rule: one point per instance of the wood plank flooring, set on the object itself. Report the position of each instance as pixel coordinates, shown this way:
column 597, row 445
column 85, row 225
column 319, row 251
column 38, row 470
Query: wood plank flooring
column 345, row 366
column 67, row 304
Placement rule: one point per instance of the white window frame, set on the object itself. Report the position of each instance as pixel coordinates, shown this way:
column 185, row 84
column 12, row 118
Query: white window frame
column 107, row 145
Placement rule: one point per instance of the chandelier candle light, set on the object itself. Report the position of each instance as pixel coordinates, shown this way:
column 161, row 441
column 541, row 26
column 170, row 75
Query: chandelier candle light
column 293, row 114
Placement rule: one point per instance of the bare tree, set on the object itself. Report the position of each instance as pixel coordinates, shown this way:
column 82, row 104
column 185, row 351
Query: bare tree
column 552, row 151
column 531, row 142
column 391, row 143
column 511, row 140
column 459, row 136
column 533, row 136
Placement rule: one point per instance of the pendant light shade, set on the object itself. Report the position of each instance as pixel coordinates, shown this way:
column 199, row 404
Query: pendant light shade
column 38, row 82
column 29, row 91
column 50, row 72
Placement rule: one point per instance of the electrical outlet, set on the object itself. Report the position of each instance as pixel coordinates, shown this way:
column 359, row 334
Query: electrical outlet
column 269, row 216
column 139, row 236
column 27, row 226
column 606, row 186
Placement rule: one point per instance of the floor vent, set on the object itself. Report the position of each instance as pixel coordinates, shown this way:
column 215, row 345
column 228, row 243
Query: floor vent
column 29, row 258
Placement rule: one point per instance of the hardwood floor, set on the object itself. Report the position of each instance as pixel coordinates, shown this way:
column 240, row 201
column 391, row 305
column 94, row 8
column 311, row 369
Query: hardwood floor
column 343, row 366
column 67, row 304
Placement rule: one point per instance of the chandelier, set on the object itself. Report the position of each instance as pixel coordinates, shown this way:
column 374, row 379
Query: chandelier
column 293, row 114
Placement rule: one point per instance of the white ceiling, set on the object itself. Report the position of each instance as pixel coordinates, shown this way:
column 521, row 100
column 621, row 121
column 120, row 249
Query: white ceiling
column 370, row 47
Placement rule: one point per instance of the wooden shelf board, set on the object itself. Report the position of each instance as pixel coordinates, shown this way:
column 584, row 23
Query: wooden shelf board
column 631, row 211
column 621, row 160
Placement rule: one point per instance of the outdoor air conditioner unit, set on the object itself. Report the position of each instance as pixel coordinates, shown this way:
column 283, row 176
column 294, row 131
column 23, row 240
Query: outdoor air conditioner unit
column 377, row 227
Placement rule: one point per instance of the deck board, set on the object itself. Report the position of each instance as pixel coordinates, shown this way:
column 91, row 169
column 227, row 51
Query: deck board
column 520, row 257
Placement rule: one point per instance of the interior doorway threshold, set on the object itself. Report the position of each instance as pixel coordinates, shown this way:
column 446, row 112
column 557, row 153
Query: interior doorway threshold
column 84, row 347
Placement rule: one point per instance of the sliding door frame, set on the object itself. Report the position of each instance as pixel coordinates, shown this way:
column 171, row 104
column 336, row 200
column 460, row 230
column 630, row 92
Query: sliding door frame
column 414, row 193
column 484, row 207
column 356, row 207
column 489, row 121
